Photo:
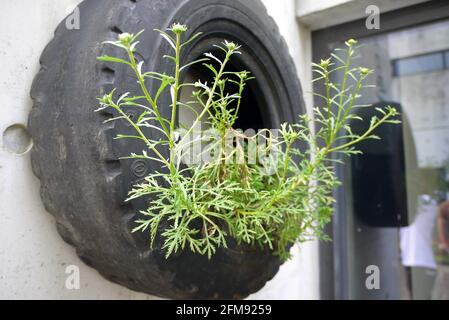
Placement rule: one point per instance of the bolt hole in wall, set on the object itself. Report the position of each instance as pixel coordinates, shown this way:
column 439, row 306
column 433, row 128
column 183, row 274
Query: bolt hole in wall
column 17, row 140
column 413, row 258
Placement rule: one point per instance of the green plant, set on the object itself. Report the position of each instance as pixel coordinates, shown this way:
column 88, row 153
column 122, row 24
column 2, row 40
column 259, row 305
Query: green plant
column 234, row 194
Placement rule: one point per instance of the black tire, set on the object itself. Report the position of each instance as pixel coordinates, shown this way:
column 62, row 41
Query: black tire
column 83, row 184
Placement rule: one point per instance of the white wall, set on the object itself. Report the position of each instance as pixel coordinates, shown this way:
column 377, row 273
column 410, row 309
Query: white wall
column 299, row 277
column 33, row 257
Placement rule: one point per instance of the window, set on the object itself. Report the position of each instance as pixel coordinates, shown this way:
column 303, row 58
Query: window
column 419, row 64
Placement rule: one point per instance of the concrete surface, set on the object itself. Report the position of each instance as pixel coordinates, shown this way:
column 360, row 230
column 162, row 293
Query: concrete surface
column 33, row 257
column 318, row 14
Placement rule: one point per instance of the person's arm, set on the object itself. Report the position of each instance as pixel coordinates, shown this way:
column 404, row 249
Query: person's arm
column 442, row 217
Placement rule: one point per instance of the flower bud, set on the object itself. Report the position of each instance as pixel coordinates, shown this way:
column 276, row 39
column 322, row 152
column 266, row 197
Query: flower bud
column 178, row 28
column 231, row 46
column 325, row 63
column 351, row 42
column 125, row 38
column 243, row 75
column 364, row 71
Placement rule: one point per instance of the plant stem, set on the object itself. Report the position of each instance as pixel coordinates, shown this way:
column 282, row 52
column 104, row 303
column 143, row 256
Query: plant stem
column 362, row 137
column 142, row 135
column 209, row 100
column 146, row 93
column 175, row 88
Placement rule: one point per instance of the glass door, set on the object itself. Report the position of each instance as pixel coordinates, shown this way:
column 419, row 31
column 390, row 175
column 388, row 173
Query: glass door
column 393, row 210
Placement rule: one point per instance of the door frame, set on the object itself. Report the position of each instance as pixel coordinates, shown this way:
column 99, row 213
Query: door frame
column 333, row 273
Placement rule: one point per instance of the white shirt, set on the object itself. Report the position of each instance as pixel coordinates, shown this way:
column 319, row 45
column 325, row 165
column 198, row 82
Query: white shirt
column 416, row 239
